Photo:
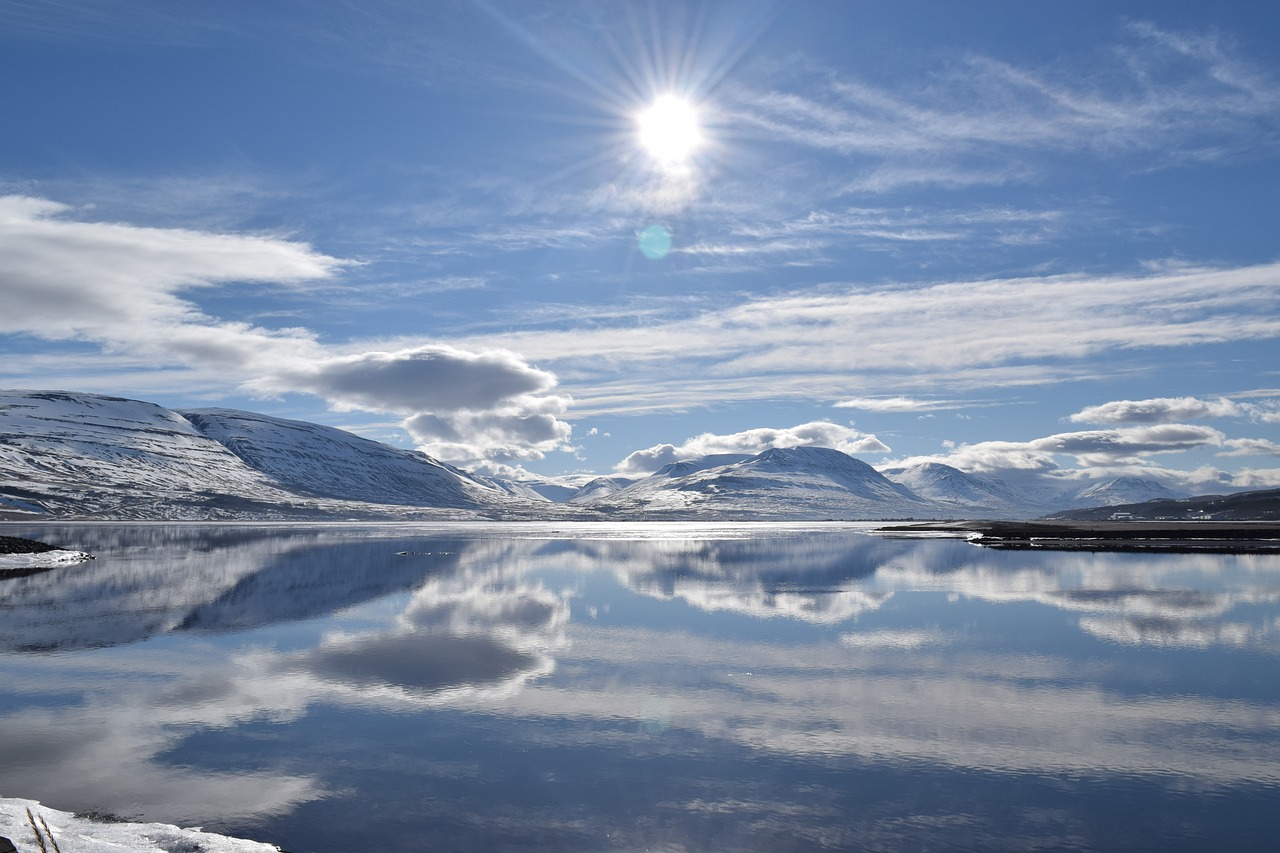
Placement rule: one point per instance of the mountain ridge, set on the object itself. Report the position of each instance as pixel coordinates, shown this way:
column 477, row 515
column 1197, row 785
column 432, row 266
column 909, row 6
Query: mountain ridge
column 67, row 455
column 778, row 483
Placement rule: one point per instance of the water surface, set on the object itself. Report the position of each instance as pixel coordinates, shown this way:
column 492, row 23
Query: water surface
column 629, row 687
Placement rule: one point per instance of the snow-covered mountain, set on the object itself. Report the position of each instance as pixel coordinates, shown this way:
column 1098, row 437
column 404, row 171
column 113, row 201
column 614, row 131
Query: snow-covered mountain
column 1122, row 490
column 84, row 454
column 690, row 466
column 326, row 462
column 554, row 492
column 90, row 456
column 791, row 483
column 520, row 488
column 969, row 494
column 600, row 487
column 74, row 455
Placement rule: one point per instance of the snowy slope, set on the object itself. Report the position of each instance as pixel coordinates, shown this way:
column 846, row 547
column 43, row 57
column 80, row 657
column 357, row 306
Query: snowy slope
column 1122, row 490
column 600, row 487
column 968, row 494
column 90, row 456
column 685, row 467
column 327, row 462
column 533, row 491
column 799, row 482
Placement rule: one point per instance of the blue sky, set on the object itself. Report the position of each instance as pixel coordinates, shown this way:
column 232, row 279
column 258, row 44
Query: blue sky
column 1028, row 239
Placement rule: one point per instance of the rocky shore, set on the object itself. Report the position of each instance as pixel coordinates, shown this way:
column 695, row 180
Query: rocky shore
column 16, row 545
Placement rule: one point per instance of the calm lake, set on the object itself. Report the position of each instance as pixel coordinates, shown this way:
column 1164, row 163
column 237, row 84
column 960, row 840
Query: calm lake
column 643, row 687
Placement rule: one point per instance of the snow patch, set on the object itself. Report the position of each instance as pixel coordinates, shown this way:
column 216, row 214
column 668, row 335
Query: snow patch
column 81, row 835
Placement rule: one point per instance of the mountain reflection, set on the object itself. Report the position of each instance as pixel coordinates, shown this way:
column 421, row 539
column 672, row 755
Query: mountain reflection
column 158, row 579
column 810, row 578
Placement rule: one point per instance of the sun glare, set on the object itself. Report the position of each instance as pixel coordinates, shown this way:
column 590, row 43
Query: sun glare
column 669, row 130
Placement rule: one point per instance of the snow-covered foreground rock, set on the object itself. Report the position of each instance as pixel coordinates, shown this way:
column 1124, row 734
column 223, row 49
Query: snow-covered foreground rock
column 80, row 835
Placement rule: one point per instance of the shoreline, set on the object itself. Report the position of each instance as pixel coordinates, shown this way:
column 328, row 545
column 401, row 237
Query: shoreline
column 20, row 558
column 1177, row 537
column 18, row 545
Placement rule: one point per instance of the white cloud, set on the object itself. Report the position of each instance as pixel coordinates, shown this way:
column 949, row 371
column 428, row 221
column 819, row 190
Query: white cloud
column 486, row 441
column 479, row 410
column 1158, row 410
column 426, row 378
column 125, row 288
column 751, row 442
column 990, row 457
column 650, row 459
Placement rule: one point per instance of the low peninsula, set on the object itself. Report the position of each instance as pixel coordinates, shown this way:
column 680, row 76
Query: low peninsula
column 1211, row 537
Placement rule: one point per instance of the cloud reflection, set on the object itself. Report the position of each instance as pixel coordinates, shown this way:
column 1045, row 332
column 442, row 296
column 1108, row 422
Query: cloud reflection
column 1191, row 601
column 991, row 712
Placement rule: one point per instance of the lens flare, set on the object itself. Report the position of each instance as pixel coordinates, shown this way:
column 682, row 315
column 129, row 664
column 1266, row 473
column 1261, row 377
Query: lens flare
column 655, row 242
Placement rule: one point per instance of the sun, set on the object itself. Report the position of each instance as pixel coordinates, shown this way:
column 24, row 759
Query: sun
column 669, row 130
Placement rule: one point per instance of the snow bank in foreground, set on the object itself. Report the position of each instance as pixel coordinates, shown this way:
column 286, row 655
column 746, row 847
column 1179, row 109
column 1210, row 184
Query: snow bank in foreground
column 42, row 559
column 77, row 835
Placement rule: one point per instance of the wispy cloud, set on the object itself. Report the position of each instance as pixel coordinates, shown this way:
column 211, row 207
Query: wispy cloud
column 899, row 404
column 821, row 232
column 984, row 120
column 956, row 335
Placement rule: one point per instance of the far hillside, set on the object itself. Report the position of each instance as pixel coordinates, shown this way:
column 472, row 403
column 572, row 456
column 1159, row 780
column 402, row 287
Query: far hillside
column 1263, row 505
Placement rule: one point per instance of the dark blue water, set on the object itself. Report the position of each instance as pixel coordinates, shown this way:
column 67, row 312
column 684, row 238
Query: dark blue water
column 644, row 687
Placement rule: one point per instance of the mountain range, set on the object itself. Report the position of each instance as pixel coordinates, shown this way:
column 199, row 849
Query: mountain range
column 78, row 455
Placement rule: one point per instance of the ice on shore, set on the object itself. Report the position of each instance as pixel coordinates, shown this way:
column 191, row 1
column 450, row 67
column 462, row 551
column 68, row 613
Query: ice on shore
column 81, row 835
column 42, row 559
